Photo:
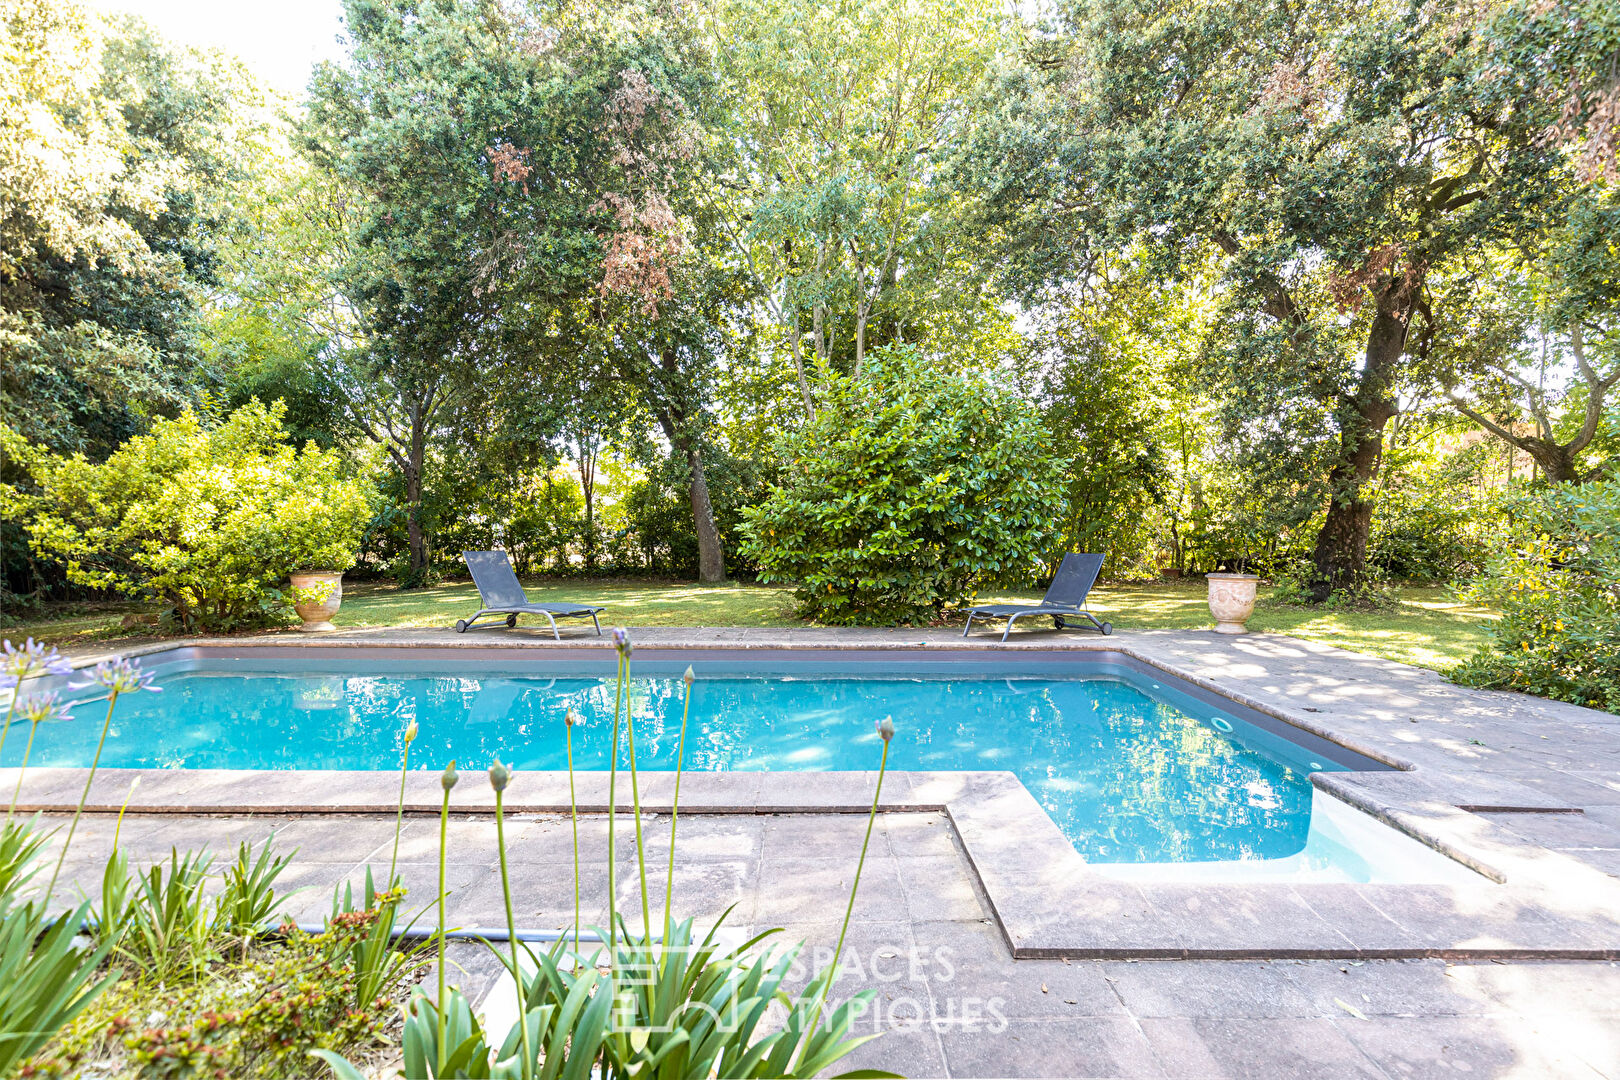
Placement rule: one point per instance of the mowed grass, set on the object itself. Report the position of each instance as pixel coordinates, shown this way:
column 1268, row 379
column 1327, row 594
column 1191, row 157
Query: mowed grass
column 1430, row 627
column 628, row 603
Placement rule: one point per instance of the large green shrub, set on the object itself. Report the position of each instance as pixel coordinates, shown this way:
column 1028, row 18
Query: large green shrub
column 1435, row 519
column 209, row 519
column 1558, row 588
column 913, row 487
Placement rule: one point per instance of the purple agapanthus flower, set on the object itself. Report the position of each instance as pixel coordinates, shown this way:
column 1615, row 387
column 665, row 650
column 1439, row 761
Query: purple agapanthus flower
column 43, row 708
column 621, row 641
column 121, row 676
column 32, row 659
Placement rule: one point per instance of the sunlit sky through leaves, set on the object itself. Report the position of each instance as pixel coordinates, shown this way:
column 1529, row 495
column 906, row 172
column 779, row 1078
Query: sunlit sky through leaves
column 279, row 40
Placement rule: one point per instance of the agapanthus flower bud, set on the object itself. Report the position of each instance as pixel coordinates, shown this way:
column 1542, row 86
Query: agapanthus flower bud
column 448, row 779
column 621, row 641
column 42, row 708
column 120, row 677
column 885, row 728
column 571, row 717
column 30, row 660
column 410, row 732
column 499, row 776
column 690, row 677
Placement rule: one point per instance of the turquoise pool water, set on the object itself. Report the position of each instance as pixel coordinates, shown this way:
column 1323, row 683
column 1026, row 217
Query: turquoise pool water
column 1131, row 773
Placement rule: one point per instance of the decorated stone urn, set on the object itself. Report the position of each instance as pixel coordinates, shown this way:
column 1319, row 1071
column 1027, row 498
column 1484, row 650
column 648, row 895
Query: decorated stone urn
column 317, row 595
column 1231, row 601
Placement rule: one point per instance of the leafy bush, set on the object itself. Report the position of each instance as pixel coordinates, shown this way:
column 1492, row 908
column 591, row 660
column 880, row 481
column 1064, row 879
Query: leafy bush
column 1293, row 577
column 913, row 487
column 1434, row 521
column 209, row 519
column 1558, row 588
column 258, row 1017
column 202, row 988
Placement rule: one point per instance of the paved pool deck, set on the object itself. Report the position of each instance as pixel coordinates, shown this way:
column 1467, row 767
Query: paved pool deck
column 994, row 950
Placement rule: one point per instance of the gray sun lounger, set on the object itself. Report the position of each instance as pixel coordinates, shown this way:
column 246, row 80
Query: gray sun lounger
column 501, row 594
column 1065, row 599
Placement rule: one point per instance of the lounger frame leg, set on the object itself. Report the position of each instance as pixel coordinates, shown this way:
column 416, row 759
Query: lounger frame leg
column 554, row 631
column 1010, row 620
column 969, row 625
column 596, row 624
column 468, row 622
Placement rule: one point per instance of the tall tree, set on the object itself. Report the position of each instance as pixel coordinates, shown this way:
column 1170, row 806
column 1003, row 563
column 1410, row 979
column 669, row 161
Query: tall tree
column 464, row 135
column 831, row 197
column 118, row 163
column 1335, row 157
column 1537, row 363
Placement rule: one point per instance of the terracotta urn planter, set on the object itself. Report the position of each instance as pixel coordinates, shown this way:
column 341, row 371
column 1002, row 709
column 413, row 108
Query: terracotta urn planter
column 317, row 596
column 1231, row 601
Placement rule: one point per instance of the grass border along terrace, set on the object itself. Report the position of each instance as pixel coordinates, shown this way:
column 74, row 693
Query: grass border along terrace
column 1430, row 627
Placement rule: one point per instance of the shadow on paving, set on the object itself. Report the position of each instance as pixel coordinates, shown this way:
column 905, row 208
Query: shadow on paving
column 949, row 1000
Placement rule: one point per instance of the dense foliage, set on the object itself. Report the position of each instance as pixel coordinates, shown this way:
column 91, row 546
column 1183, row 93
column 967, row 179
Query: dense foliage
column 208, row 518
column 1558, row 588
column 1331, row 164
column 259, row 1016
column 914, row 487
column 1311, row 289
column 120, row 156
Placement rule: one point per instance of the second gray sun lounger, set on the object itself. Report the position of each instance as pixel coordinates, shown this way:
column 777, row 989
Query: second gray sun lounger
column 1065, row 598
column 501, row 594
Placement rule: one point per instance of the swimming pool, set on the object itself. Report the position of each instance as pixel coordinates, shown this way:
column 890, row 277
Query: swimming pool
column 1133, row 768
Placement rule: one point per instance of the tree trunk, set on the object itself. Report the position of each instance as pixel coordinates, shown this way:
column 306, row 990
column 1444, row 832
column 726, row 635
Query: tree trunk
column 796, row 340
column 1557, row 462
column 587, row 485
column 711, row 555
column 416, row 537
column 1341, row 547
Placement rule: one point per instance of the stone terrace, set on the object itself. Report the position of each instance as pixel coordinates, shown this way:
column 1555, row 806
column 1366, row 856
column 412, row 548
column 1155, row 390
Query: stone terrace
column 1527, row 789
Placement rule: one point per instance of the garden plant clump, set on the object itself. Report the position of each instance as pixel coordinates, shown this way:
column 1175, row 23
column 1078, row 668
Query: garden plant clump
column 1557, row 584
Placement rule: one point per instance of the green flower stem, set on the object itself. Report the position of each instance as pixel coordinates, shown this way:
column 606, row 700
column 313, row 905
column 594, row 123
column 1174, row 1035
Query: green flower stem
column 613, row 803
column 439, row 1003
column 573, row 813
column 112, row 699
column 399, row 812
column 118, row 826
column 641, row 847
column 11, row 710
column 675, row 810
column 511, row 931
column 28, row 750
column 838, row 952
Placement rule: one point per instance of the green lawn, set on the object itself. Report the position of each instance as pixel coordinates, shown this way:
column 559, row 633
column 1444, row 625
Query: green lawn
column 1429, row 628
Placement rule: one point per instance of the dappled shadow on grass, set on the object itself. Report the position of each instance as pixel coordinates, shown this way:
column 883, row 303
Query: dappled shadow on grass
column 634, row 603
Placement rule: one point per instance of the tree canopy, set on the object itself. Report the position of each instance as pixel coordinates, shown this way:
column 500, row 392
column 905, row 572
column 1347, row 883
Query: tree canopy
column 1312, row 289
